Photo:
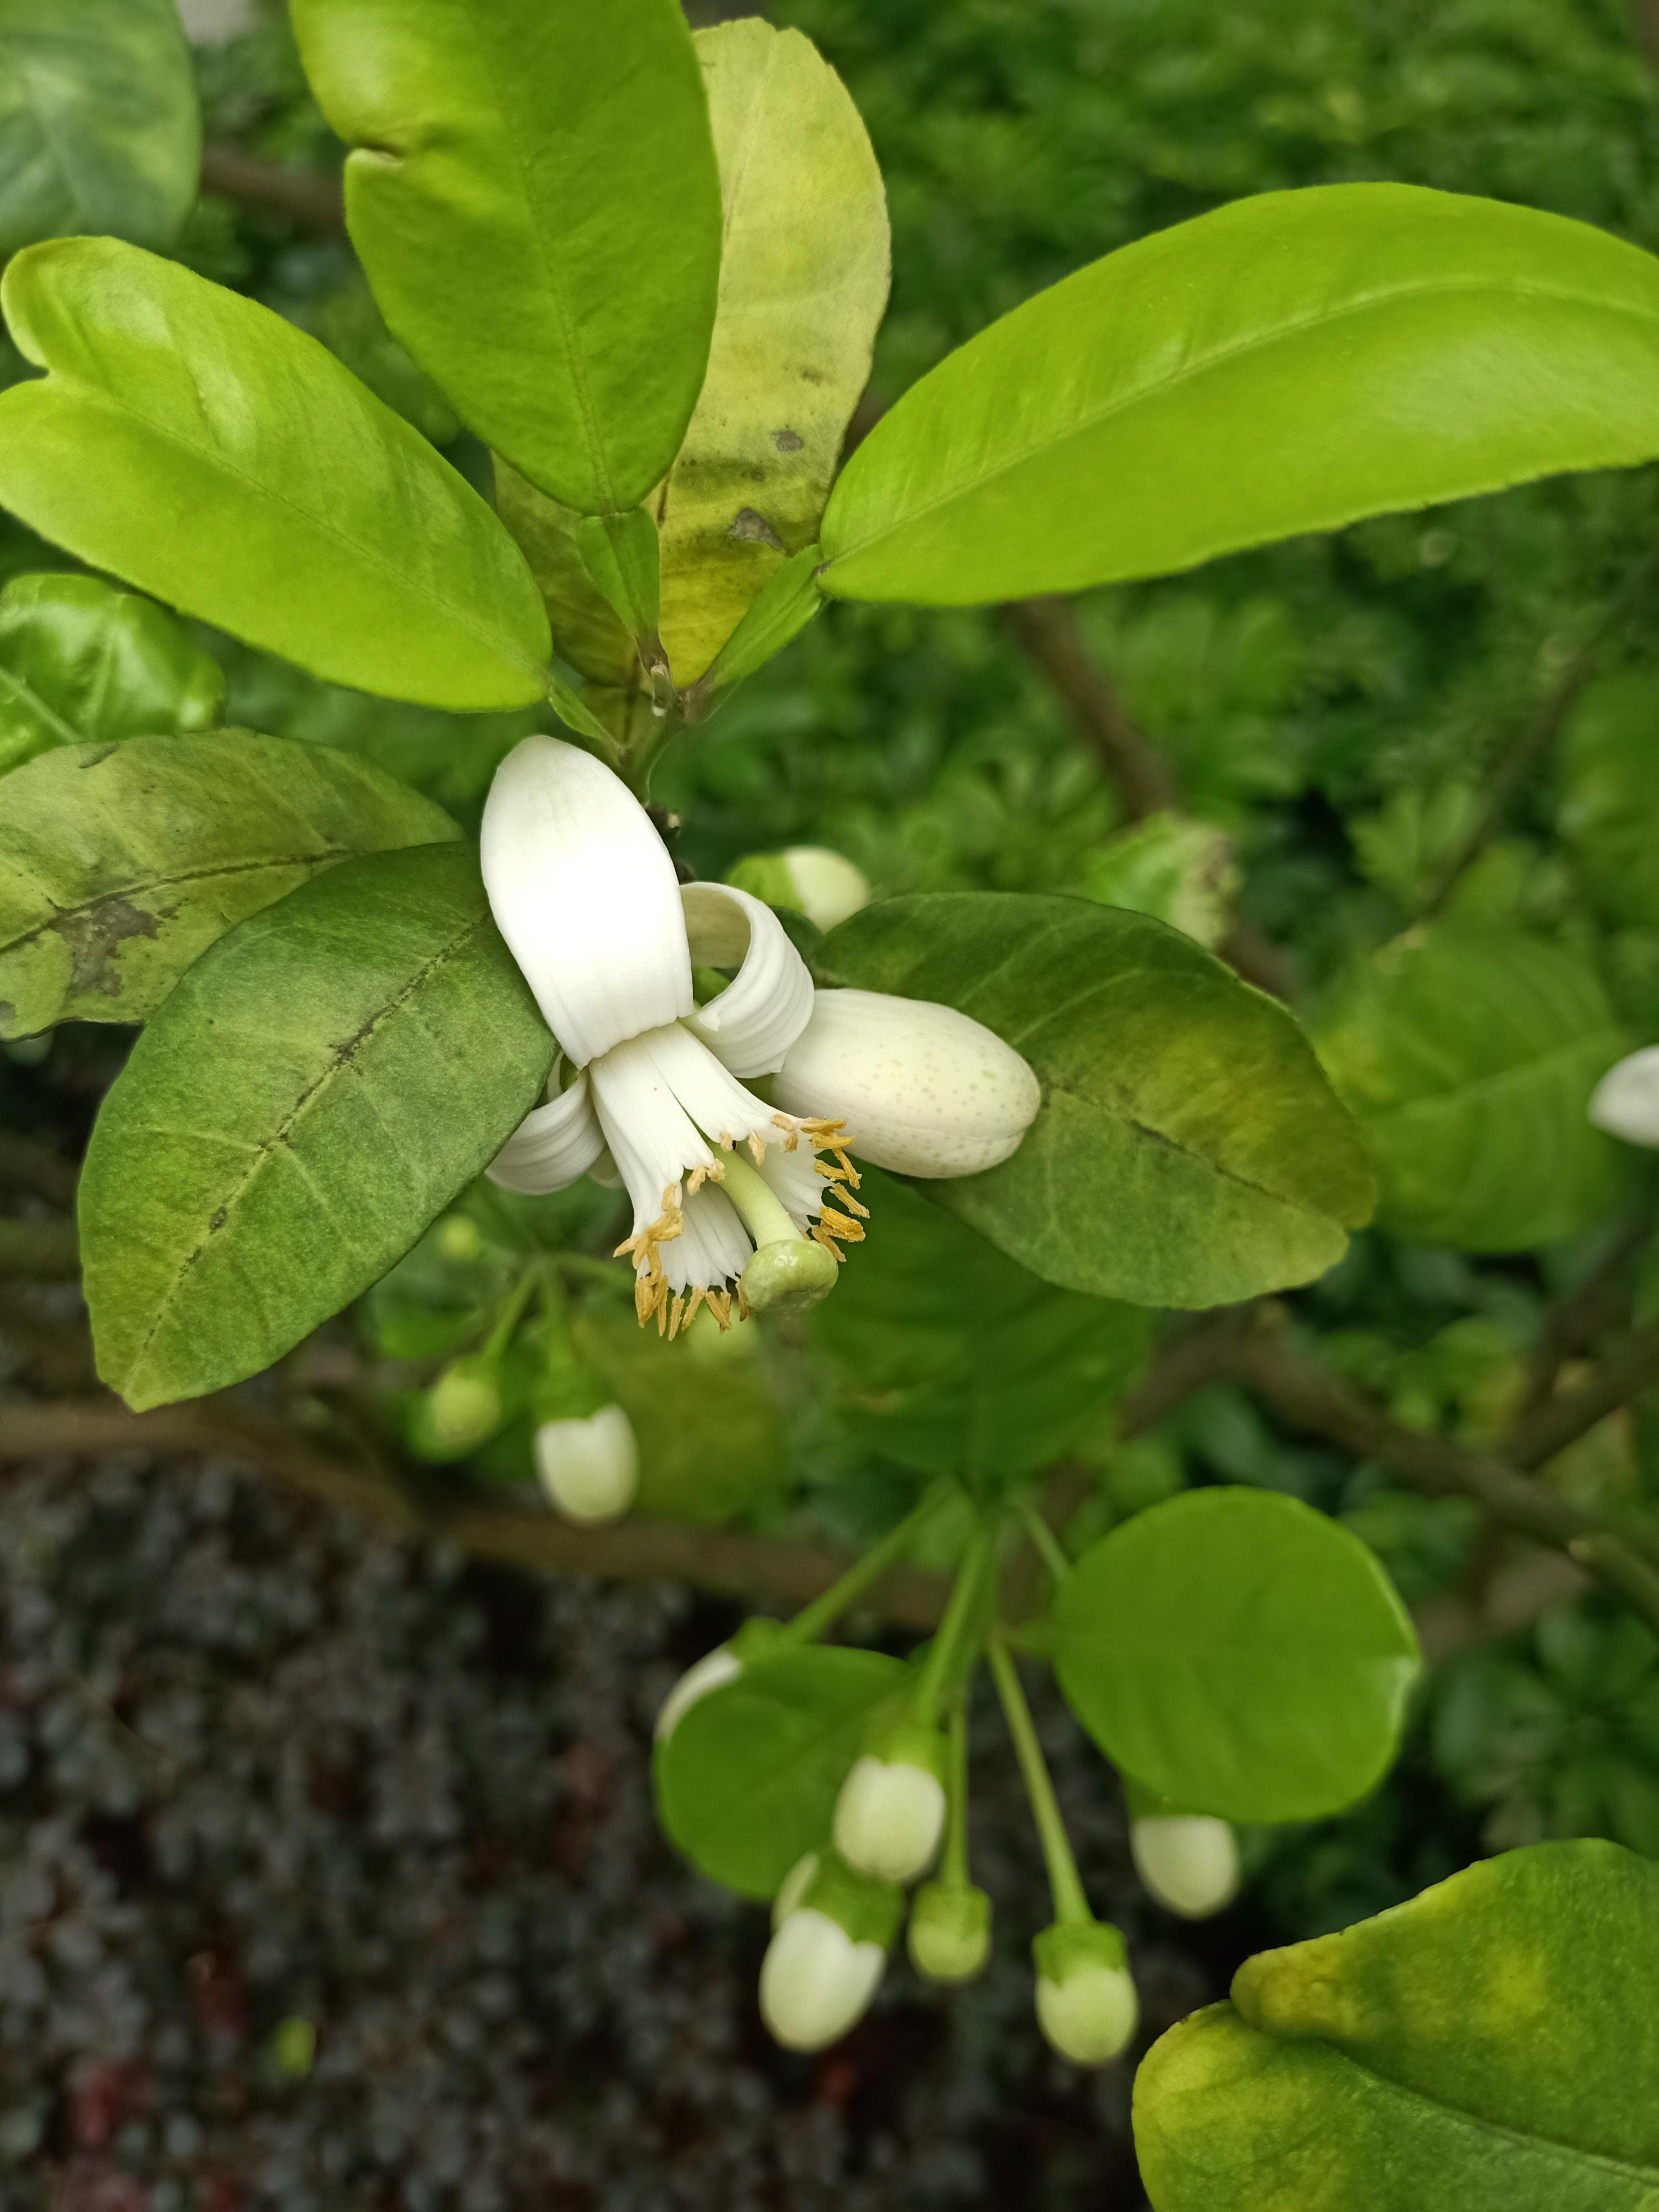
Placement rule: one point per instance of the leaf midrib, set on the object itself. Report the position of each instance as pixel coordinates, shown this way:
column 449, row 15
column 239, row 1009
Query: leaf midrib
column 1159, row 387
column 1503, row 1080
column 167, row 883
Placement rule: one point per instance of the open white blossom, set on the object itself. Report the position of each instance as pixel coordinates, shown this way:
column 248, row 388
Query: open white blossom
column 584, row 892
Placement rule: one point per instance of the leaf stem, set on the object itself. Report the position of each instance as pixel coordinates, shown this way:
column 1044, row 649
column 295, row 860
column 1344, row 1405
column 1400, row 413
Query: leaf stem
column 1064, row 1884
column 953, row 1866
column 1047, row 1544
column 824, row 1612
column 942, row 1665
column 511, row 1311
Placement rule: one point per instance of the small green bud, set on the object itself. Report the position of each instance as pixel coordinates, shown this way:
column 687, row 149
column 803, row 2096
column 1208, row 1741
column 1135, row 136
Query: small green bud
column 789, row 1276
column 949, row 1935
column 462, row 1410
column 1085, row 2002
column 824, row 1962
column 459, row 1238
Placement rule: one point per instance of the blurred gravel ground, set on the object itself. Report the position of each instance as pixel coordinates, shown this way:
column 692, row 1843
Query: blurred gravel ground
column 264, row 1777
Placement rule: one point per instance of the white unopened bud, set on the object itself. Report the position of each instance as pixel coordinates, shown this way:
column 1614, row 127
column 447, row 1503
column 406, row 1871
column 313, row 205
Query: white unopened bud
column 709, row 1673
column 889, row 1816
column 1086, row 2005
column 827, row 887
column 1625, row 1102
column 589, row 1468
column 922, row 1089
column 824, row 1962
column 1188, row 1861
column 949, row 1932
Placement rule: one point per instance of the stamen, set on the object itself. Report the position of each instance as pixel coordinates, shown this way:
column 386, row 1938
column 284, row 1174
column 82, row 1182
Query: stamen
column 742, row 1304
column 720, row 1305
column 756, row 1151
column 698, row 1294
column 677, row 1314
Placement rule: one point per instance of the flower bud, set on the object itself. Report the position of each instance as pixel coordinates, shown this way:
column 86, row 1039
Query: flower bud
column 1188, row 1861
column 922, row 1089
column 793, row 1887
column 460, row 1238
column 1625, row 1102
column 1085, row 2002
column 824, row 1963
column 754, row 1640
column 462, row 1410
column 889, row 1816
column 824, row 886
column 589, row 1466
column 949, row 1937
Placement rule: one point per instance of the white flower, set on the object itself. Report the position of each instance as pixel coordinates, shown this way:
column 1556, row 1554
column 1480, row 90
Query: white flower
column 1625, row 1102
column 1188, row 1861
column 589, row 1468
column 933, row 1092
column 889, row 1817
column 815, row 1981
column 1086, row 2005
column 585, row 896
column 711, row 1672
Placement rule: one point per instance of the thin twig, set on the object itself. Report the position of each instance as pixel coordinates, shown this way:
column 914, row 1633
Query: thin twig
column 1600, row 1302
column 1047, row 630
column 313, row 201
column 1538, row 1436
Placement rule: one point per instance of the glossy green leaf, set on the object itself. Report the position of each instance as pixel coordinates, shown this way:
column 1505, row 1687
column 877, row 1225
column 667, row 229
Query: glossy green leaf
column 1469, row 1057
column 711, row 1437
column 778, row 612
column 621, row 555
column 1238, row 1652
column 534, row 197
column 313, row 1093
column 100, row 129
column 955, row 1360
column 203, row 448
column 1493, row 2046
column 804, row 278
column 747, row 1783
column 1188, row 1151
column 1287, row 363
column 1609, row 807
column 586, row 631
column 81, row 661
column 120, row 864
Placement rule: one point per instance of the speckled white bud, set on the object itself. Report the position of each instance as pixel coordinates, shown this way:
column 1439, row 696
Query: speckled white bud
column 1188, row 1861
column 1625, row 1102
column 589, row 1468
column 922, row 1089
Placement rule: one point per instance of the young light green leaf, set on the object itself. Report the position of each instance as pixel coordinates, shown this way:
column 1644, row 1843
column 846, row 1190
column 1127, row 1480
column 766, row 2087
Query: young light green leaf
column 556, row 166
column 99, row 127
column 747, row 1783
column 956, row 1361
column 586, row 631
column 620, row 555
column 1188, row 1151
column 1287, row 363
column 803, row 282
column 1469, row 1057
column 778, row 612
column 202, row 447
column 1493, row 2046
column 313, row 1093
column 80, row 660
column 1239, row 1653
column 120, row 864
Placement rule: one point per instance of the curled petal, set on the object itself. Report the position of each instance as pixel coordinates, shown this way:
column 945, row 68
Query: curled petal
column 551, row 1146
column 583, row 891
column 755, row 1019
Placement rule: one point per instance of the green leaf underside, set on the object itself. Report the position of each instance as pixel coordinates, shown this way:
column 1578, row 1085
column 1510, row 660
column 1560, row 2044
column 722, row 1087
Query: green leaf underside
column 1469, row 1057
column 80, row 660
column 1239, row 1653
column 1287, row 363
column 197, row 444
column 959, row 1362
column 747, row 1783
column 120, row 864
column 1491, row 2047
column 565, row 183
column 313, row 1093
column 100, row 130
column 1189, row 1152
column 804, row 277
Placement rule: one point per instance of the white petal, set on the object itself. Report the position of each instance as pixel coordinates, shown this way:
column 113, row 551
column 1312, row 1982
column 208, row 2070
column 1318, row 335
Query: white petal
column 1625, row 1102
column 583, row 891
column 551, row 1146
column 652, row 1138
column 712, row 1247
column 755, row 1019
column 922, row 1089
column 794, row 1181
column 589, row 1469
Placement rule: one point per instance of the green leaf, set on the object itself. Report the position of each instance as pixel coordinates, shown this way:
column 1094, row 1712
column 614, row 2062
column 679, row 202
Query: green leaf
column 100, row 129
column 778, row 612
column 1287, row 363
column 1188, row 1151
column 555, row 168
column 803, row 282
column 586, row 631
column 747, row 1783
column 958, row 1361
column 120, row 864
column 1169, row 866
column 81, row 661
column 313, row 1093
column 621, row 555
column 203, row 448
column 1609, row 810
column 710, row 1435
column 1469, row 1056
column 1493, row 2046
column 1238, row 1652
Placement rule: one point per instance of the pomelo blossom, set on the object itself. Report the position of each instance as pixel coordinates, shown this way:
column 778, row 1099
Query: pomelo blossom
column 732, row 1195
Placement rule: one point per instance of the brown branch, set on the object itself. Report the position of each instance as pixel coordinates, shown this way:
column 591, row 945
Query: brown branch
column 38, row 1251
column 1538, row 1436
column 1047, row 630
column 302, row 196
column 35, row 1168
column 1586, row 1312
column 733, row 1562
column 1646, row 14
